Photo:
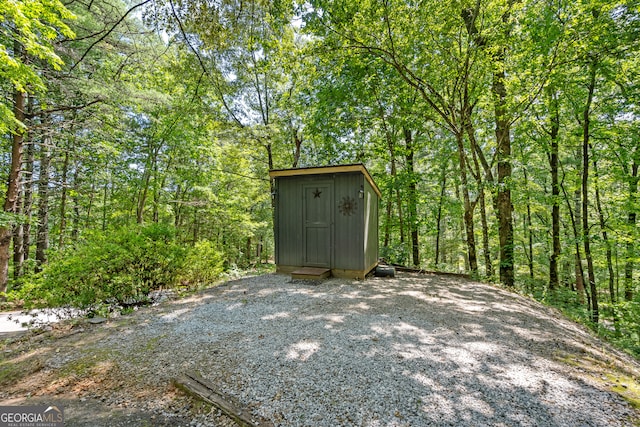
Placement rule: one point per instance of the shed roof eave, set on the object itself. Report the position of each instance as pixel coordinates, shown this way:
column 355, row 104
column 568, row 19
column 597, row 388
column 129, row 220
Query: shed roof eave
column 321, row 170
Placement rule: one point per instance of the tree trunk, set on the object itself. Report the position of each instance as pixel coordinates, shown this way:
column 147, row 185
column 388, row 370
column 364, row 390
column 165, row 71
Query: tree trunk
column 400, row 216
column 270, row 166
column 75, row 229
column 21, row 226
column 555, row 192
column 503, row 147
column 479, row 159
column 413, row 197
column 259, row 250
column 92, row 196
column 142, row 195
column 631, row 222
column 272, row 186
column 387, row 223
column 28, row 198
column 443, row 188
column 527, row 226
column 504, row 208
column 392, row 160
column 156, row 193
column 196, row 227
column 22, row 244
column 13, row 187
column 18, row 243
column 63, row 200
column 575, row 220
column 605, row 236
column 42, row 240
column 150, row 171
column 585, row 192
column 468, row 207
column 177, row 207
column 105, row 197
column 297, row 141
column 486, row 249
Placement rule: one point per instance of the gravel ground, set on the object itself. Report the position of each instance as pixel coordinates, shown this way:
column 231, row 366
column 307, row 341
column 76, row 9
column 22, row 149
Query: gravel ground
column 417, row 350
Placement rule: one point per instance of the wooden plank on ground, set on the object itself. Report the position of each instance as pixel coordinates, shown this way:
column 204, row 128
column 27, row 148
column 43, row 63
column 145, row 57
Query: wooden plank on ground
column 200, row 388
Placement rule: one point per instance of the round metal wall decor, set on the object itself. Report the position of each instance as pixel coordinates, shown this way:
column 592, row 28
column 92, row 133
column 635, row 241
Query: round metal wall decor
column 347, row 206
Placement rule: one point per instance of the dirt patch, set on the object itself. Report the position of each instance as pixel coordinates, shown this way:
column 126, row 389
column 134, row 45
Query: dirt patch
column 66, row 366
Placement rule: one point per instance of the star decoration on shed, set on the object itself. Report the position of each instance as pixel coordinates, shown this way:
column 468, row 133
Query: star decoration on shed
column 317, row 193
column 347, row 206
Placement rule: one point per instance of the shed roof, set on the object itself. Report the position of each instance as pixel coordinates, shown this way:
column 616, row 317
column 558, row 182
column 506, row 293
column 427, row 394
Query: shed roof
column 321, row 170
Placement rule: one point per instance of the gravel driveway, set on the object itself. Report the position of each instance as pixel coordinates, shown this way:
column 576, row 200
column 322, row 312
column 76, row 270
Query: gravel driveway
column 417, row 350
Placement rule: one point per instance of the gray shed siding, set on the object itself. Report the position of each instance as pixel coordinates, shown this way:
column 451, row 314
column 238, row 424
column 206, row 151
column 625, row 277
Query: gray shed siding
column 352, row 230
column 288, row 230
column 348, row 247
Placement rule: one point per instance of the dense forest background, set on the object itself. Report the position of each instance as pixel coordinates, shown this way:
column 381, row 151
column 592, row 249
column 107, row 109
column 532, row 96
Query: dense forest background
column 504, row 134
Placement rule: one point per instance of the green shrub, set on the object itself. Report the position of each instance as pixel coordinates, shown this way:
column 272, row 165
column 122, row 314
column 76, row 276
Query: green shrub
column 203, row 265
column 624, row 326
column 116, row 268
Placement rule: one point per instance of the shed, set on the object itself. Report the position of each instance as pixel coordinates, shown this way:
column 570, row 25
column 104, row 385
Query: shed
column 327, row 218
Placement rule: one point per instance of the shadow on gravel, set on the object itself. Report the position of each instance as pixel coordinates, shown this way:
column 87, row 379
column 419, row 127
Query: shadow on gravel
column 414, row 350
column 410, row 351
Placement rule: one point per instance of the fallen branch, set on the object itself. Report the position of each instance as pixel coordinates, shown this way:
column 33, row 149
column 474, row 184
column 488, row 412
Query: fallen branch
column 198, row 387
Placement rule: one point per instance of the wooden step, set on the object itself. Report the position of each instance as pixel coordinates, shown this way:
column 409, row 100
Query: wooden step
column 311, row 273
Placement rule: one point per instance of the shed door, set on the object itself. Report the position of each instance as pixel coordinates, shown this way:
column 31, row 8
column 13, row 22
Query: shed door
column 317, row 218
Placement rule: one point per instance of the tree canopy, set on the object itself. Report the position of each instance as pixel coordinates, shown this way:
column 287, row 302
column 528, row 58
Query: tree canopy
column 503, row 133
